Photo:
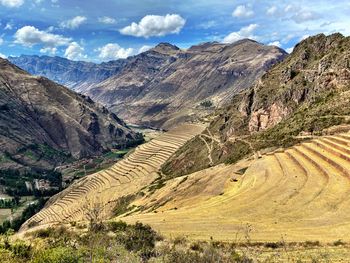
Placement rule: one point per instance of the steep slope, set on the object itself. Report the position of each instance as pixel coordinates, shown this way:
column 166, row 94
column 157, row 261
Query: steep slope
column 302, row 96
column 77, row 75
column 42, row 124
column 166, row 85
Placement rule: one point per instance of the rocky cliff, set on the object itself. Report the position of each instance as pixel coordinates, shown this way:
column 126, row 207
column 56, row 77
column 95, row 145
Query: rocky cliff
column 43, row 124
column 305, row 95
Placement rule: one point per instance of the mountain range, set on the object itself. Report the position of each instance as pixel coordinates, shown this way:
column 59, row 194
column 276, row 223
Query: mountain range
column 166, row 85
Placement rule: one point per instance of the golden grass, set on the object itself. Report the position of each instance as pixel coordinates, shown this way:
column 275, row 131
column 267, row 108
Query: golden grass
column 302, row 193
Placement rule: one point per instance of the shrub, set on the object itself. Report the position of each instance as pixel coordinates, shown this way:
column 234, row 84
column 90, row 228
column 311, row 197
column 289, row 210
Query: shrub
column 58, row 255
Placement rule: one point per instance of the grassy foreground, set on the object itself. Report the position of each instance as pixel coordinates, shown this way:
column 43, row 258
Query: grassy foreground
column 120, row 242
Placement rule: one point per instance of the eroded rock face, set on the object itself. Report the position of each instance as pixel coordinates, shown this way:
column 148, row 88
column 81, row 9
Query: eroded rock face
column 42, row 124
column 262, row 119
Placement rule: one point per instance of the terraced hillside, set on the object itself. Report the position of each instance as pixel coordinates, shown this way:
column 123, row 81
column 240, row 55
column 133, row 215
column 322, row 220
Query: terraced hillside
column 301, row 193
column 103, row 189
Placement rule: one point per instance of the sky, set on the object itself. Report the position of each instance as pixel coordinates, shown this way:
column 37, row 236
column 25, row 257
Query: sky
column 103, row 30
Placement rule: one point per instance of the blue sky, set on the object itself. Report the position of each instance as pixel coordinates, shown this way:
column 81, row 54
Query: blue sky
column 102, row 30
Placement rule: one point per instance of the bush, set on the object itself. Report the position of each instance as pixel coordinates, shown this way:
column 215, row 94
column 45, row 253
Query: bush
column 139, row 238
column 58, row 255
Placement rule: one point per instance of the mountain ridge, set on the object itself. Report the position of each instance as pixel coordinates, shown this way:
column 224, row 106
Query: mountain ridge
column 40, row 118
column 166, row 85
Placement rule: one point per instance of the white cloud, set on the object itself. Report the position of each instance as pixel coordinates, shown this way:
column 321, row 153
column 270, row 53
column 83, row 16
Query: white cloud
column 113, row 51
column 8, row 26
column 29, row 36
column 49, row 50
column 2, row 55
column 152, row 25
column 290, row 50
column 144, row 49
column 271, row 10
column 107, row 20
column 275, row 43
column 243, row 11
column 244, row 32
column 75, row 52
column 73, row 23
column 12, row 3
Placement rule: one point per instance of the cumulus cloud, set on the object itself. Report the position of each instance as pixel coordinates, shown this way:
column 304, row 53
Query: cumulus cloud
column 113, row 51
column 73, row 23
column 29, row 36
column 244, row 32
column 144, row 48
column 75, row 52
column 152, row 25
column 271, row 10
column 275, row 43
column 12, row 3
column 107, row 20
column 2, row 55
column 243, row 11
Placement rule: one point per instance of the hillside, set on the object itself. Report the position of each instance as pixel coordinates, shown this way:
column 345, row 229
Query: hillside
column 298, row 194
column 100, row 192
column 77, row 75
column 165, row 85
column 43, row 124
column 300, row 97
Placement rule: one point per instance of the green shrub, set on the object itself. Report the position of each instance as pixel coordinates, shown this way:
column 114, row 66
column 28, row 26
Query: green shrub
column 58, row 255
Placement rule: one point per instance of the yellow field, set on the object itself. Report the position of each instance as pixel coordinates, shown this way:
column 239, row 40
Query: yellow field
column 302, row 193
column 101, row 190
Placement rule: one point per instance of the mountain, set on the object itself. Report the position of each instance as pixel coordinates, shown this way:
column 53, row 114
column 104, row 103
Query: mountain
column 306, row 95
column 77, row 75
column 43, row 124
column 165, row 85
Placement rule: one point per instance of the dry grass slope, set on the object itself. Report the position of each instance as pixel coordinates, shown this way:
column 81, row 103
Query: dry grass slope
column 301, row 193
column 106, row 187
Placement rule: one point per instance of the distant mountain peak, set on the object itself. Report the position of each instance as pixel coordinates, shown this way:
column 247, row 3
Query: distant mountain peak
column 164, row 47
